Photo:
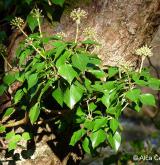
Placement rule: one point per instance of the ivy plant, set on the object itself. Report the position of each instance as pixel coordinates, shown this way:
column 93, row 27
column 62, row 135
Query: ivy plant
column 68, row 84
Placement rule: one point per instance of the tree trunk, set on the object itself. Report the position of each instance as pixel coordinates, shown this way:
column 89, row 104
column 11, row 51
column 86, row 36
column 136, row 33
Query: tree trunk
column 122, row 25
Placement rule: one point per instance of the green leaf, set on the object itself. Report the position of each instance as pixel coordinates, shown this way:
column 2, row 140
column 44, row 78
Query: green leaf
column 148, row 99
column 114, row 141
column 13, row 142
column 8, row 113
column 2, row 89
column 67, row 72
column 60, row 50
column 90, row 42
column 32, row 80
column 114, row 125
column 86, row 145
column 24, row 55
column 26, row 136
column 18, row 96
column 9, row 79
column 154, row 83
column 98, row 73
column 80, row 61
column 77, row 136
column 99, row 123
column 141, row 83
column 10, row 135
column 12, row 145
column 28, row 1
column 62, row 59
column 98, row 137
column 89, row 124
column 58, row 96
column 34, row 113
column 58, row 2
column 106, row 99
column 133, row 94
column 92, row 106
column 32, row 22
column 2, row 128
column 57, row 44
column 72, row 95
column 112, row 71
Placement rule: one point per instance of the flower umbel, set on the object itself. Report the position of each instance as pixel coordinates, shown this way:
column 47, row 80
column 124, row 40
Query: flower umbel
column 144, row 51
column 17, row 23
column 90, row 32
column 61, row 35
column 77, row 14
column 37, row 13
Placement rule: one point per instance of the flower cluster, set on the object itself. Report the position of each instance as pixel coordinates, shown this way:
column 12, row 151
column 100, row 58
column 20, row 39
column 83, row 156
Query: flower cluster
column 90, row 32
column 144, row 51
column 28, row 41
column 77, row 14
column 61, row 35
column 3, row 49
column 17, row 23
column 37, row 13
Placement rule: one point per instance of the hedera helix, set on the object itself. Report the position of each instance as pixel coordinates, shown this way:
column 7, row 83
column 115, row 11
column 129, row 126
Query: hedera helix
column 70, row 75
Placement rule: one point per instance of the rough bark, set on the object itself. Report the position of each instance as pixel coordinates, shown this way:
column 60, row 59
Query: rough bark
column 121, row 25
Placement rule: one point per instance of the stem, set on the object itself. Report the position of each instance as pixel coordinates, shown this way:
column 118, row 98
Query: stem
column 32, row 44
column 6, row 61
column 77, row 31
column 140, row 69
column 22, row 31
column 39, row 25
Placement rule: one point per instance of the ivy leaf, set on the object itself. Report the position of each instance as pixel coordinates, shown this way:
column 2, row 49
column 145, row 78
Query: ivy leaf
column 13, row 142
column 12, row 145
column 77, row 136
column 112, row 71
column 89, row 124
column 114, row 125
column 80, row 61
column 32, row 22
column 133, row 94
column 9, row 79
column 8, row 113
column 106, row 99
column 148, row 99
column 154, row 83
column 98, row 73
column 58, row 2
column 58, row 96
column 86, row 145
column 28, row 1
column 26, row 136
column 62, row 59
column 99, row 123
column 60, row 50
column 98, row 137
column 67, row 72
column 2, row 89
column 72, row 95
column 2, row 128
column 114, row 140
column 34, row 113
column 10, row 135
column 90, row 42
column 18, row 96
column 23, row 56
column 32, row 80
